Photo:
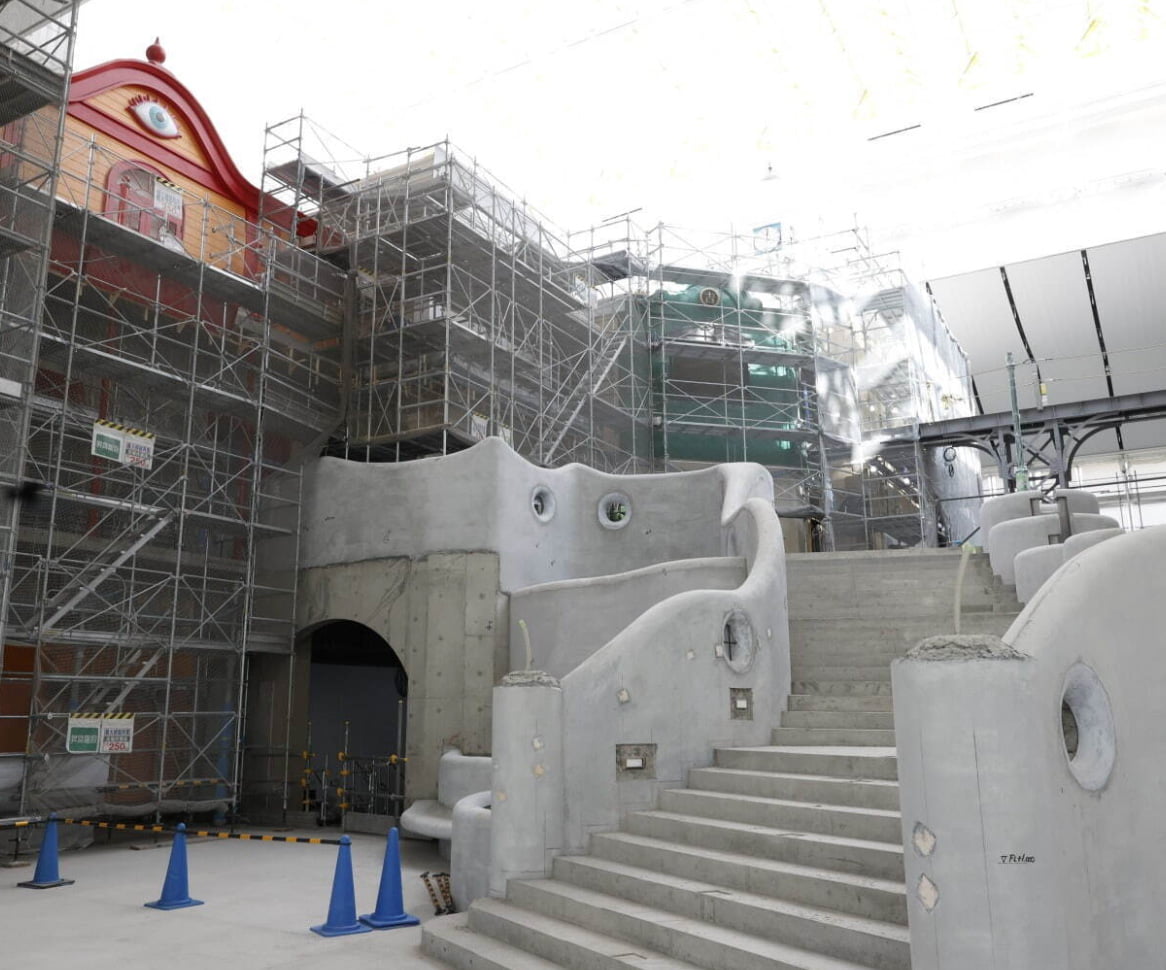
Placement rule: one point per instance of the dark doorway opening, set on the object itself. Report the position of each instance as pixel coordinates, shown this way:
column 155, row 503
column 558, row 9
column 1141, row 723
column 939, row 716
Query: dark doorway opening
column 357, row 700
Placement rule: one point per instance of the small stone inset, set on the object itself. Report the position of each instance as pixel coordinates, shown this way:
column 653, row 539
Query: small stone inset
column 635, row 761
column 741, row 703
column 923, row 839
column 927, row 892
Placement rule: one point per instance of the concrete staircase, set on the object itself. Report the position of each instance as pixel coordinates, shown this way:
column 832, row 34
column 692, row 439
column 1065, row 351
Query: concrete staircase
column 785, row 857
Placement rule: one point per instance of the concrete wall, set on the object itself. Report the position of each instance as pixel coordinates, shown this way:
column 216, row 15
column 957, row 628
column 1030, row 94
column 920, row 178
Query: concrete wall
column 443, row 616
column 426, row 552
column 1019, row 856
column 569, row 620
column 481, row 500
column 665, row 680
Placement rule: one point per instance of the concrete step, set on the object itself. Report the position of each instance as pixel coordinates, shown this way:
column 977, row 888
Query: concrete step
column 834, row 760
column 881, row 899
column 820, row 735
column 840, row 702
column 880, row 860
column 847, row 821
column 863, row 720
column 561, row 943
column 450, row 939
column 802, row 673
column 860, row 792
column 901, row 631
column 750, row 921
column 837, row 687
column 857, row 655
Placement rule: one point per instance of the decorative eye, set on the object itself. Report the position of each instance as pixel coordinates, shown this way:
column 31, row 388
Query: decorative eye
column 154, row 118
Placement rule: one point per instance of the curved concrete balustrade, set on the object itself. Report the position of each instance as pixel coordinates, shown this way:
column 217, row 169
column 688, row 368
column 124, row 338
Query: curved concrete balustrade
column 1002, row 508
column 1079, row 500
column 1034, row 566
column 469, row 861
column 1075, row 545
column 1015, row 535
column 570, row 619
column 458, row 775
column 666, row 679
column 1030, row 844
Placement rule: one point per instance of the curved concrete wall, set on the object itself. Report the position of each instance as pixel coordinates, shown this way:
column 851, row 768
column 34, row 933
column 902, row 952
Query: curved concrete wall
column 1015, row 535
column 664, row 680
column 427, row 553
column 481, row 500
column 569, row 620
column 1019, row 856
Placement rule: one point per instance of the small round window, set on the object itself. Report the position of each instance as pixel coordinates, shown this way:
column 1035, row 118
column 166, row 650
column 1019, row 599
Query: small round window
column 542, row 503
column 615, row 510
column 738, row 642
column 1087, row 728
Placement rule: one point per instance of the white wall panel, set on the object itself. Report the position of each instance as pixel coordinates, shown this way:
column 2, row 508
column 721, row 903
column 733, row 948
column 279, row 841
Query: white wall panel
column 1129, row 281
column 977, row 313
column 1052, row 300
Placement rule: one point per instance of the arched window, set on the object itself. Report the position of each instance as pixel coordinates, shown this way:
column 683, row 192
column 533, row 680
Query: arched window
column 139, row 196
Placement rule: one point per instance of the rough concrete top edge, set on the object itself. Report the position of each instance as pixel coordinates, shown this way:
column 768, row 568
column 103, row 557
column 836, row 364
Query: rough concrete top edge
column 528, row 678
column 470, row 460
column 875, row 554
column 672, row 565
column 964, row 646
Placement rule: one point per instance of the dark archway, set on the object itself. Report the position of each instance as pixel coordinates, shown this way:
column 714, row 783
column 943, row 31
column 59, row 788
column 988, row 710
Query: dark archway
column 356, row 708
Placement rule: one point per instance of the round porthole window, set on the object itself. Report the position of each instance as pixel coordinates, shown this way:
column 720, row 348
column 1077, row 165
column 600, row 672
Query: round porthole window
column 738, row 641
column 542, row 503
column 1087, row 728
column 615, row 510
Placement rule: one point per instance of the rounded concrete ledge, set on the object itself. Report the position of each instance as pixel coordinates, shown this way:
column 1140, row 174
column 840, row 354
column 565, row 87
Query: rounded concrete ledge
column 1034, row 566
column 428, row 817
column 1002, row 508
column 1075, row 545
column 964, row 646
column 1013, row 536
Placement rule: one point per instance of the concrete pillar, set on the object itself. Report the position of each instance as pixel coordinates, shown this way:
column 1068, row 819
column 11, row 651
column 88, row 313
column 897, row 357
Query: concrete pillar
column 527, row 812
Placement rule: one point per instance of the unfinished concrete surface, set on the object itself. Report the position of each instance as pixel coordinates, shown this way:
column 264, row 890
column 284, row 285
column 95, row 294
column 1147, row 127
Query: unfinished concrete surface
column 787, row 854
column 260, row 900
column 1038, row 776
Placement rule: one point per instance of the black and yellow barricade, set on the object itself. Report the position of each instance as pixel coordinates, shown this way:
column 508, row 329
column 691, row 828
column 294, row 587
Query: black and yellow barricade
column 201, row 833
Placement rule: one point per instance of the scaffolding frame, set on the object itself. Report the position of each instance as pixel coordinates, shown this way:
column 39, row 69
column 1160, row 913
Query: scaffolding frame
column 144, row 587
column 472, row 315
column 36, row 46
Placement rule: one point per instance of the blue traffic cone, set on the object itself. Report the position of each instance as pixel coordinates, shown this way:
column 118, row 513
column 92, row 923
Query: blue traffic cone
column 175, row 888
column 390, row 910
column 47, row 875
column 342, row 906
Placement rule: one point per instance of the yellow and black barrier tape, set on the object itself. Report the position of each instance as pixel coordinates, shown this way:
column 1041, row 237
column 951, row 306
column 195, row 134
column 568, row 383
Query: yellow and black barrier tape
column 18, row 823
column 201, row 833
column 137, row 432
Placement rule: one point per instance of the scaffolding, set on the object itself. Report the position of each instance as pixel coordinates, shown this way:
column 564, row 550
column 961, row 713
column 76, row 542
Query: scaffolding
column 185, row 366
column 36, row 44
column 472, row 317
column 908, row 370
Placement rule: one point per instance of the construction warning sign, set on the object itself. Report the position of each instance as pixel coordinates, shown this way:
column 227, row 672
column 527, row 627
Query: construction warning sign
column 100, row 734
column 117, row 442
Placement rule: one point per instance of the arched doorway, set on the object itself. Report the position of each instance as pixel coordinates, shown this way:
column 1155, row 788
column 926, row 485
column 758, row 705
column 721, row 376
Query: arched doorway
column 357, row 696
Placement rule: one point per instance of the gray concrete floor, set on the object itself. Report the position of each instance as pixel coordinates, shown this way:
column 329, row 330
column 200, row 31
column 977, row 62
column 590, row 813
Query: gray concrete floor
column 260, row 900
